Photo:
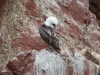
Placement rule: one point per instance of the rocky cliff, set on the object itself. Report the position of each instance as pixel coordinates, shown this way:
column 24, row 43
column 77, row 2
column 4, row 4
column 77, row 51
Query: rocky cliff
column 23, row 52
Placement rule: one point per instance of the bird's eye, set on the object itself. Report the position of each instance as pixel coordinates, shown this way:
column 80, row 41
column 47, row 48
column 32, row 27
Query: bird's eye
column 53, row 24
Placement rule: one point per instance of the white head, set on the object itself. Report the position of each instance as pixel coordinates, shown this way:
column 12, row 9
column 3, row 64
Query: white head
column 51, row 22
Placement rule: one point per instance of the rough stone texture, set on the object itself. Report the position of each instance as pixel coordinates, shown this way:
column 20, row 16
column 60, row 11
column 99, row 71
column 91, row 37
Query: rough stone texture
column 19, row 26
column 37, row 63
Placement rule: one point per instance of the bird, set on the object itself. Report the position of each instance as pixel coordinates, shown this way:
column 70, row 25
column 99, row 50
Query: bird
column 48, row 33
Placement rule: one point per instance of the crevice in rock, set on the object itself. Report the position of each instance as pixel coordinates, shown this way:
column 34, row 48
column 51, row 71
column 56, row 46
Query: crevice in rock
column 85, row 28
column 94, row 7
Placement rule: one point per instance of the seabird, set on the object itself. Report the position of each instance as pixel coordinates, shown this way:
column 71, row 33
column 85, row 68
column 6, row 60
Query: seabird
column 48, row 33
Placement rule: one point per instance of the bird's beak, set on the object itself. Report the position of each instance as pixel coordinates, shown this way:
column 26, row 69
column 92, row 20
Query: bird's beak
column 54, row 28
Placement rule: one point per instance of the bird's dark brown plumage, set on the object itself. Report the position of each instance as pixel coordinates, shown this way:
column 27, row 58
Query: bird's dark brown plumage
column 50, row 37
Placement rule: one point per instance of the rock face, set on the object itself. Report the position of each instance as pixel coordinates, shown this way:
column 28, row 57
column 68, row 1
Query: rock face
column 49, row 63
column 23, row 52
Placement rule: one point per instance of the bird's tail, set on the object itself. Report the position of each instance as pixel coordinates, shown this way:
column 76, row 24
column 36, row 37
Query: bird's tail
column 59, row 51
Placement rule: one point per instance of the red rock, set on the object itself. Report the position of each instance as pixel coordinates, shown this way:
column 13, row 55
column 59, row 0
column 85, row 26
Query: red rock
column 6, row 72
column 70, row 9
column 0, row 41
column 76, row 30
column 70, row 69
column 2, row 4
column 32, row 9
column 22, row 64
column 90, row 57
column 61, row 30
column 29, row 43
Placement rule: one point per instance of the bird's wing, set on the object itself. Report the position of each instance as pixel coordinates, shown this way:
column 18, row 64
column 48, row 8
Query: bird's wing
column 55, row 40
column 45, row 34
column 49, row 37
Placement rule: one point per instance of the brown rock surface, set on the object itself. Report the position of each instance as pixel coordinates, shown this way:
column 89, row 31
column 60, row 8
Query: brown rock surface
column 19, row 34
